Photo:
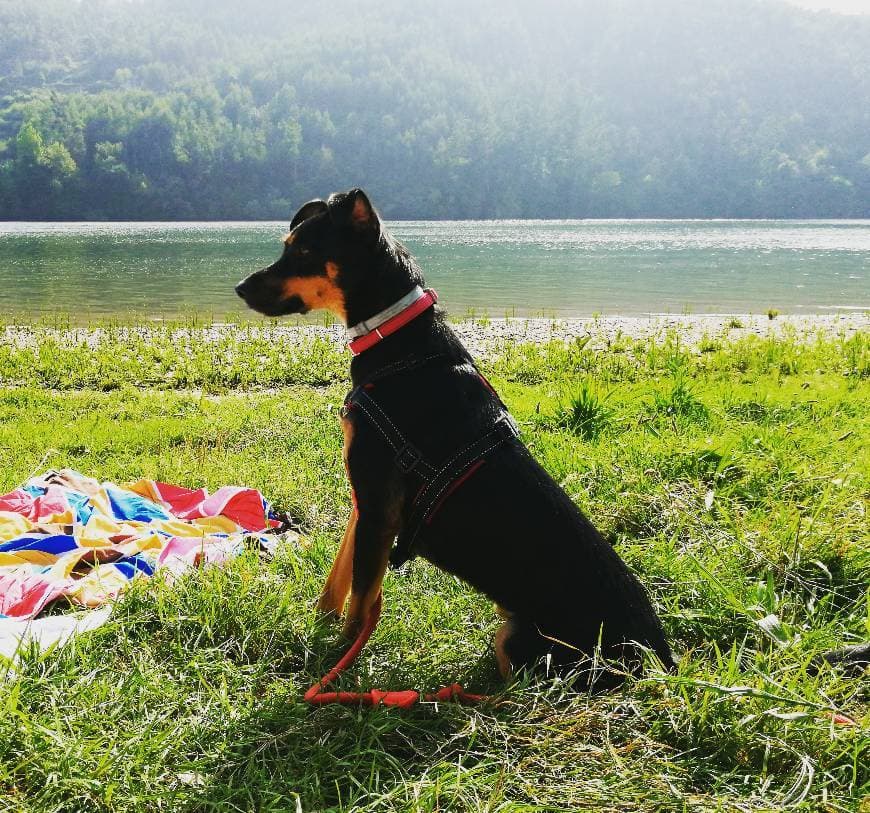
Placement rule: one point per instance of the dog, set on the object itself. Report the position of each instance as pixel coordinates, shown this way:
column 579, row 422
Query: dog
column 436, row 467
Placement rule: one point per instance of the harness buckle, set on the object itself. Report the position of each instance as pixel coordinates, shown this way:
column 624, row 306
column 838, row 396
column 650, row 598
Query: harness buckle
column 407, row 458
column 506, row 427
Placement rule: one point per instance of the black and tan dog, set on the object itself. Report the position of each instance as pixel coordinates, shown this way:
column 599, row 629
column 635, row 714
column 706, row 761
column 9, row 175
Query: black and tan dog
column 435, row 464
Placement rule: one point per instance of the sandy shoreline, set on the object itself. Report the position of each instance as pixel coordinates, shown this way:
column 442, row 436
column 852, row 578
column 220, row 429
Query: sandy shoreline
column 485, row 336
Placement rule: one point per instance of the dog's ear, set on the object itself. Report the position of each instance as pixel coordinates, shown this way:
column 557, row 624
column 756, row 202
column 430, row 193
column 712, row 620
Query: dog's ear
column 353, row 209
column 313, row 207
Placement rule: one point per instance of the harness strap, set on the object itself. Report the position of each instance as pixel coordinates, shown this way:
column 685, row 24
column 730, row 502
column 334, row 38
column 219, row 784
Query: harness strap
column 445, row 481
column 438, row 482
column 403, row 365
column 407, row 457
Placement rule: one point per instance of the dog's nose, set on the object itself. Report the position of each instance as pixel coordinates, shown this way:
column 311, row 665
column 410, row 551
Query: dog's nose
column 242, row 287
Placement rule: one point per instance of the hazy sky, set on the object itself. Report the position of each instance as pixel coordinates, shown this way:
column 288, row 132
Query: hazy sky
column 842, row 6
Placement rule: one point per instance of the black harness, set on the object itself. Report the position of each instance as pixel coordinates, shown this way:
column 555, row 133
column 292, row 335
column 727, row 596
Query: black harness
column 439, row 480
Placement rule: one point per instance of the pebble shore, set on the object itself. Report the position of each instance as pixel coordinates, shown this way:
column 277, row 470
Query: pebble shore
column 485, row 336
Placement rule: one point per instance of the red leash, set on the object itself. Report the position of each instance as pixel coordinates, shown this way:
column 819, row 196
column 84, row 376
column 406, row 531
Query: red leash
column 374, row 697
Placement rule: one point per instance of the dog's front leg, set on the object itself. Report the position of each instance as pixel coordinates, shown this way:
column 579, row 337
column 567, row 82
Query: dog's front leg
column 337, row 586
column 373, row 538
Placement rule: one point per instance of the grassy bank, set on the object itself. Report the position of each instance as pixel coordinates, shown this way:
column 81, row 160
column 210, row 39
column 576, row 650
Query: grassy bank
column 732, row 475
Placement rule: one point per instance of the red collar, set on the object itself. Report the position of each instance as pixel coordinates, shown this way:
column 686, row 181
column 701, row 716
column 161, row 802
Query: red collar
column 378, row 329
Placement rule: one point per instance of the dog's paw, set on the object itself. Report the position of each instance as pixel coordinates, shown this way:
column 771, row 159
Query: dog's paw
column 328, row 609
column 327, row 616
column 351, row 628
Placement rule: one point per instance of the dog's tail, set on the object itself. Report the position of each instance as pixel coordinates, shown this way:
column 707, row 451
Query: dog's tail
column 850, row 658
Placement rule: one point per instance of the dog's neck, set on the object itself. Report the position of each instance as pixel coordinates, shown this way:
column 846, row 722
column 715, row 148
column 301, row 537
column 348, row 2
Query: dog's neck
column 410, row 340
column 392, row 274
column 425, row 337
column 389, row 273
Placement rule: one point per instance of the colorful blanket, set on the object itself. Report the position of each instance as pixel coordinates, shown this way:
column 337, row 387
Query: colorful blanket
column 64, row 535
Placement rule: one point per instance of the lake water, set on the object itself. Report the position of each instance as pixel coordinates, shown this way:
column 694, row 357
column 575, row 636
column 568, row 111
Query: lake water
column 565, row 268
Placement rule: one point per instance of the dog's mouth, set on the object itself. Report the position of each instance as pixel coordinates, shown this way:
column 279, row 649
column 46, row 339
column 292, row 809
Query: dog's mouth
column 283, row 307
column 266, row 300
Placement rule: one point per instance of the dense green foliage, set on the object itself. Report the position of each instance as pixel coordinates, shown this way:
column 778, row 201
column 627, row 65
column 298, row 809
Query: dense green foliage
column 159, row 109
column 730, row 476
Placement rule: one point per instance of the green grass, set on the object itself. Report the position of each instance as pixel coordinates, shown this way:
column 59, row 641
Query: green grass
column 733, row 480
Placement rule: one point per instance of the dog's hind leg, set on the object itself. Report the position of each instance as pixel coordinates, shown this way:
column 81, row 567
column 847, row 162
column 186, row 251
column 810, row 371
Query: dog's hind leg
column 337, row 586
column 502, row 634
column 518, row 644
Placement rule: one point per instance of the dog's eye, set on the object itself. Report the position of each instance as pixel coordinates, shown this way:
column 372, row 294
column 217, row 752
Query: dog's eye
column 291, row 251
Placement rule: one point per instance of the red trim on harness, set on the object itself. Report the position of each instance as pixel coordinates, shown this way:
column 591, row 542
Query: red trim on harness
column 393, row 324
column 453, row 486
column 486, row 383
column 374, row 697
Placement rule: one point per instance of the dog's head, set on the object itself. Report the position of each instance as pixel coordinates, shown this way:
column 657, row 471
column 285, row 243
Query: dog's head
column 326, row 253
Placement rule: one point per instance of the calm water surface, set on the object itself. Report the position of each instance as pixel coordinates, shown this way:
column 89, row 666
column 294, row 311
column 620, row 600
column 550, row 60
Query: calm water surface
column 530, row 267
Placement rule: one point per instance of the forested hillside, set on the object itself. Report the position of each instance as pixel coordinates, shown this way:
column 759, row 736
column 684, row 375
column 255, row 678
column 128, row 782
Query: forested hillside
column 493, row 108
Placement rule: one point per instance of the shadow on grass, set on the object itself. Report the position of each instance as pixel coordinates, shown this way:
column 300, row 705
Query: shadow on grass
column 286, row 753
